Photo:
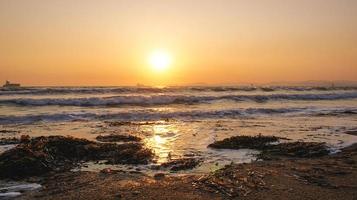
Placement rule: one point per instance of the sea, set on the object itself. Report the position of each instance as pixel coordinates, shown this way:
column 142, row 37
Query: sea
column 180, row 122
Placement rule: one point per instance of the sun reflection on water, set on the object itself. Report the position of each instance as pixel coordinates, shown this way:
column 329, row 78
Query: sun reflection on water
column 158, row 139
column 162, row 140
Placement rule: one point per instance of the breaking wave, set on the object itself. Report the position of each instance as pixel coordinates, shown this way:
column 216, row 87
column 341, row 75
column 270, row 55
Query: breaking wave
column 151, row 114
column 121, row 90
column 145, row 100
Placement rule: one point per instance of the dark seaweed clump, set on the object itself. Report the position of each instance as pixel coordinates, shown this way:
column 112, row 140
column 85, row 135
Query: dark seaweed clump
column 295, row 149
column 244, row 142
column 270, row 150
column 40, row 155
column 8, row 141
column 117, row 138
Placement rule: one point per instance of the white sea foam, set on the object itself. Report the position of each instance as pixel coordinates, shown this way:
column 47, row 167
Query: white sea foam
column 166, row 99
column 16, row 190
column 9, row 194
column 151, row 114
column 119, row 90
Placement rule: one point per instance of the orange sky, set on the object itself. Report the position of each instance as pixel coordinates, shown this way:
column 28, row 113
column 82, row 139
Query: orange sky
column 92, row 42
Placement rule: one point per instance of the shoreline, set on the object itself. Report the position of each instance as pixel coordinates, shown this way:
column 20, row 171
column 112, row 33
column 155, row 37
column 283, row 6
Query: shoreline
column 327, row 177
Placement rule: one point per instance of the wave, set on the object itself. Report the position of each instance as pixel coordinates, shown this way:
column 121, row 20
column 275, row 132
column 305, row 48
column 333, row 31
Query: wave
column 150, row 114
column 120, row 90
column 145, row 100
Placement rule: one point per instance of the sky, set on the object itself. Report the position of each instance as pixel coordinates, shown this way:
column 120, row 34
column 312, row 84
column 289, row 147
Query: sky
column 108, row 42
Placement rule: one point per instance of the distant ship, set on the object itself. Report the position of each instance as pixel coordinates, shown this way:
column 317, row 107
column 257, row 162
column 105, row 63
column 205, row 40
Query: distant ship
column 11, row 85
column 140, row 85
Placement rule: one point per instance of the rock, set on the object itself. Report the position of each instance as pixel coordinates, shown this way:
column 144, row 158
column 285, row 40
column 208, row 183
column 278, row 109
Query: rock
column 118, row 138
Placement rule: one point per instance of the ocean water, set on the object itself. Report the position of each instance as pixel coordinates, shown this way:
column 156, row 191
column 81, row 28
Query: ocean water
column 180, row 122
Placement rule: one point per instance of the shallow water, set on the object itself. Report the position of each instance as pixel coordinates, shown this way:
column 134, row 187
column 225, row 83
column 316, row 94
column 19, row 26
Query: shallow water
column 9, row 190
column 180, row 122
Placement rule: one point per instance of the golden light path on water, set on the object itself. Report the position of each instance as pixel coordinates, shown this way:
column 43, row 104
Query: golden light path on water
column 162, row 141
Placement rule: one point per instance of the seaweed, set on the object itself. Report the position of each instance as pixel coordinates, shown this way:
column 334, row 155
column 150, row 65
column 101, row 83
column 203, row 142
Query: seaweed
column 43, row 154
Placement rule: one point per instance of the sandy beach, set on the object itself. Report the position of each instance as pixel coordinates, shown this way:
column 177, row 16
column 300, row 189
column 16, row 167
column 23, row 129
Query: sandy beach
column 242, row 142
column 327, row 177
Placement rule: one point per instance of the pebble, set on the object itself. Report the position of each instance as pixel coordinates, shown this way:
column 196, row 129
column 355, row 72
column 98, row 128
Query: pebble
column 136, row 192
column 159, row 176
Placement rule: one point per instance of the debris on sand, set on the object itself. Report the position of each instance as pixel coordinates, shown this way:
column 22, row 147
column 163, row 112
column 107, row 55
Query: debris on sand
column 57, row 153
column 182, row 164
column 234, row 180
column 244, row 142
column 272, row 150
column 117, row 138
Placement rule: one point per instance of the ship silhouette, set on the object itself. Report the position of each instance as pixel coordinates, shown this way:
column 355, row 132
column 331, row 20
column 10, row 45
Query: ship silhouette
column 11, row 85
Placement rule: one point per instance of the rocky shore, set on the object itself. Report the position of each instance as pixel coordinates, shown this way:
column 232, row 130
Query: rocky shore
column 284, row 170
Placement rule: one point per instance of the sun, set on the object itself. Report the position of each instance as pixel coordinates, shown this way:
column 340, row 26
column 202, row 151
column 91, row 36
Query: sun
column 160, row 60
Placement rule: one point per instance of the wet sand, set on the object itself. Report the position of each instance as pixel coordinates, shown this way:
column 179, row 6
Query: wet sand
column 327, row 177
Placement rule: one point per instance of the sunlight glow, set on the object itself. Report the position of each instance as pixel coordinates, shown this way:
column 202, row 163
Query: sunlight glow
column 160, row 60
column 162, row 141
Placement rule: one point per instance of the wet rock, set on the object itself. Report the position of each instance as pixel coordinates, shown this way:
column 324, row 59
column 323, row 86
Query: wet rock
column 117, row 138
column 182, row 164
column 43, row 154
column 244, row 142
